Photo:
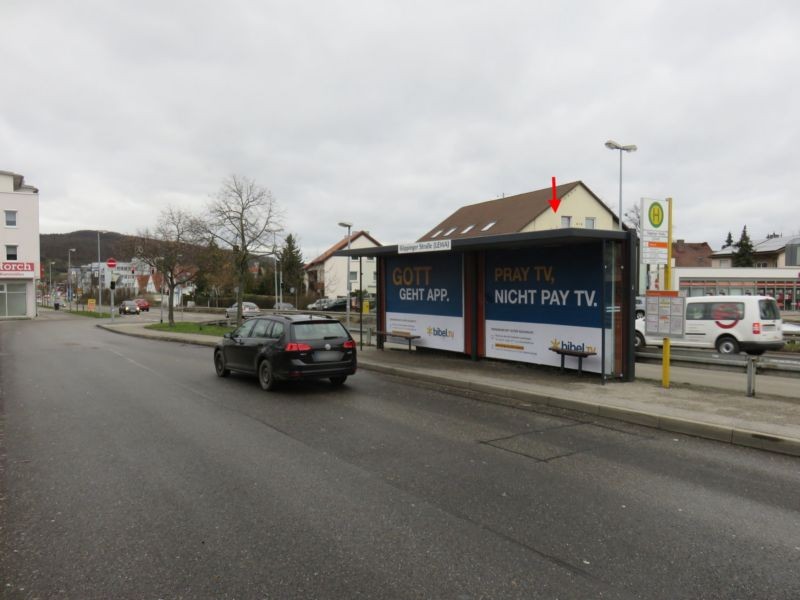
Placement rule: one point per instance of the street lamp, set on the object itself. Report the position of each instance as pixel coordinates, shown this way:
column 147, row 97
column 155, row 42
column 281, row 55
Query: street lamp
column 52, row 262
column 612, row 145
column 99, row 267
column 347, row 226
column 69, row 276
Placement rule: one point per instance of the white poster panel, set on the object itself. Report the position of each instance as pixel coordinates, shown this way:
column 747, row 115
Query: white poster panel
column 531, row 343
column 435, row 331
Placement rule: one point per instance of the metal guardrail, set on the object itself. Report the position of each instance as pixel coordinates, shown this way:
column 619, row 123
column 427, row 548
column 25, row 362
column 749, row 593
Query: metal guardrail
column 740, row 361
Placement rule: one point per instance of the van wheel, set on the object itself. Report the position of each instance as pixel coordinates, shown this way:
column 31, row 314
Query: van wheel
column 727, row 345
column 337, row 381
column 265, row 376
column 638, row 341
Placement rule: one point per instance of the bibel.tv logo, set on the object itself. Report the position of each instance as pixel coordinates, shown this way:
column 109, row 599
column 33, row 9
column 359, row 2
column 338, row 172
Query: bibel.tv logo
column 434, row 331
column 568, row 345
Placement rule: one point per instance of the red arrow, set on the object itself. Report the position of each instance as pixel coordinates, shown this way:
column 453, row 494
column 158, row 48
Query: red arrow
column 554, row 201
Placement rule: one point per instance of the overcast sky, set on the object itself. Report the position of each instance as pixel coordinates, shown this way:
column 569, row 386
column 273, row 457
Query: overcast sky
column 394, row 114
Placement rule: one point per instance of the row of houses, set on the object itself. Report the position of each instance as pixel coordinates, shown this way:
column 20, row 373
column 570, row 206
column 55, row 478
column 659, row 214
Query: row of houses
column 328, row 275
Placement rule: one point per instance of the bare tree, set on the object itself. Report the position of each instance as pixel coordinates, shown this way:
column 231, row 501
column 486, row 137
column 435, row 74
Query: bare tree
column 172, row 250
column 633, row 218
column 244, row 217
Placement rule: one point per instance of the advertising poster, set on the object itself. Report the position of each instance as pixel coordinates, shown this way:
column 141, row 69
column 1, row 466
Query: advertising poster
column 542, row 298
column 424, row 297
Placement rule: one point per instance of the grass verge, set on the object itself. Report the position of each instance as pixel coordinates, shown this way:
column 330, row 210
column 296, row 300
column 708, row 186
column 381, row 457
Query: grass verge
column 184, row 327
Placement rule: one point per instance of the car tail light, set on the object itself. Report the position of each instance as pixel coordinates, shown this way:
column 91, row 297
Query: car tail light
column 295, row 347
column 756, row 327
column 349, row 345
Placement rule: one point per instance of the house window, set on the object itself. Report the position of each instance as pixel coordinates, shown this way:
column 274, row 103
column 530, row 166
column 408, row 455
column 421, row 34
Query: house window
column 489, row 226
column 449, row 231
column 566, row 221
column 11, row 218
column 467, row 228
column 353, row 275
column 11, row 253
column 589, row 222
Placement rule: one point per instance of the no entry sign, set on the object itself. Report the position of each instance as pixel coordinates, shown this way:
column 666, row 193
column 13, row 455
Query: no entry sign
column 111, row 263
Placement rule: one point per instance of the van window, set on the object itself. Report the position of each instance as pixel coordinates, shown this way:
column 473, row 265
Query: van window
column 769, row 310
column 715, row 311
column 727, row 311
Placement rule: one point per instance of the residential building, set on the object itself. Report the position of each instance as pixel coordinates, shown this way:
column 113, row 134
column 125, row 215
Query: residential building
column 579, row 208
column 19, row 246
column 326, row 275
column 691, row 254
column 772, row 252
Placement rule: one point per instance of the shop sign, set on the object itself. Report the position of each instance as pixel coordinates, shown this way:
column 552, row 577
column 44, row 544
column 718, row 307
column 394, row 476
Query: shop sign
column 17, row 270
column 433, row 246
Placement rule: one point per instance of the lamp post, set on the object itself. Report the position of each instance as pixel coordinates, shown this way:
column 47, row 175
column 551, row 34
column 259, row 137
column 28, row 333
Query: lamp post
column 612, row 145
column 99, row 268
column 52, row 262
column 69, row 276
column 347, row 226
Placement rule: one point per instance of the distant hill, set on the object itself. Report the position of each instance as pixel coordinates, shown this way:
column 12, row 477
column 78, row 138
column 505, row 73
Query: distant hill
column 54, row 246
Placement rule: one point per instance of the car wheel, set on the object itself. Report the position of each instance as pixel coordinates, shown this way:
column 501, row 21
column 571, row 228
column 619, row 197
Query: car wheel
column 337, row 381
column 727, row 345
column 639, row 314
column 219, row 365
column 638, row 341
column 265, row 376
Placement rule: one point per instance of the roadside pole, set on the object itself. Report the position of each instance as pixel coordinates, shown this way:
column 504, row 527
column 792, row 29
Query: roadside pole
column 667, row 287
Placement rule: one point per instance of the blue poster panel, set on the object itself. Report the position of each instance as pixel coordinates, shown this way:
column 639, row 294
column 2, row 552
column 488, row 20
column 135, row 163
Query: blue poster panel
column 542, row 298
column 424, row 297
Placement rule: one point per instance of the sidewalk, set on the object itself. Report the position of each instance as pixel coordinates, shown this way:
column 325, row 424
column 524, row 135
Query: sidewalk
column 719, row 409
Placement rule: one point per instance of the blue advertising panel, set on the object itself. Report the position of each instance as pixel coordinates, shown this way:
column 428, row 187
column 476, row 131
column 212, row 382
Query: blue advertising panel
column 542, row 298
column 424, row 297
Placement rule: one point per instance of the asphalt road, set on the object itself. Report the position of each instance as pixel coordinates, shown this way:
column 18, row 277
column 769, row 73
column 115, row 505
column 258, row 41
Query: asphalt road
column 131, row 471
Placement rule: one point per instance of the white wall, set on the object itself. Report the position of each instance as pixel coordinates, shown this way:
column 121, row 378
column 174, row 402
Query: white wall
column 25, row 235
column 336, row 271
column 578, row 204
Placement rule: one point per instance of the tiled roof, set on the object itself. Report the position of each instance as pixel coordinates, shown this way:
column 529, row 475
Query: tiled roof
column 501, row 216
column 691, row 254
column 340, row 245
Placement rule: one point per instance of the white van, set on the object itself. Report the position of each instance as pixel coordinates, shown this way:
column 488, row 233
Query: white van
column 730, row 324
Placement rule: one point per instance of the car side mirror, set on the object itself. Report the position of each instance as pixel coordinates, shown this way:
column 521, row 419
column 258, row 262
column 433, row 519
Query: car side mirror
column 227, row 336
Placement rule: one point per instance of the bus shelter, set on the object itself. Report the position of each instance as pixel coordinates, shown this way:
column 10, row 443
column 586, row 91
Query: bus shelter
column 515, row 296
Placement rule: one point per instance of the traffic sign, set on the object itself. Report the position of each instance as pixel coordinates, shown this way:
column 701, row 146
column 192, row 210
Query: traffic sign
column 111, row 263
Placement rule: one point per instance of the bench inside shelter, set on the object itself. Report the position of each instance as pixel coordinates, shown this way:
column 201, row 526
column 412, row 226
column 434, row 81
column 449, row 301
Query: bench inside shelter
column 405, row 335
column 579, row 354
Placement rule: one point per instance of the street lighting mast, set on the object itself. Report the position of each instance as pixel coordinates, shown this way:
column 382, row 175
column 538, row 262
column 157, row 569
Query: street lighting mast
column 612, row 145
column 347, row 226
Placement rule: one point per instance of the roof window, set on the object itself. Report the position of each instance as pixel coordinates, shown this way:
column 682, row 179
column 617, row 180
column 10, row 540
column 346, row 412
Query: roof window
column 437, row 234
column 489, row 226
column 449, row 231
column 467, row 228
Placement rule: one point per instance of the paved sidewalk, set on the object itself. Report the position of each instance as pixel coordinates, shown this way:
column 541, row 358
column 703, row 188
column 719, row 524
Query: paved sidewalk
column 718, row 409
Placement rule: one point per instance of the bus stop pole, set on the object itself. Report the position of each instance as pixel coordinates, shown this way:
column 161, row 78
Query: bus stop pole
column 665, row 360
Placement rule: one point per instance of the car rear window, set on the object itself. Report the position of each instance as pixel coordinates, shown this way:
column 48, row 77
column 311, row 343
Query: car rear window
column 769, row 310
column 318, row 331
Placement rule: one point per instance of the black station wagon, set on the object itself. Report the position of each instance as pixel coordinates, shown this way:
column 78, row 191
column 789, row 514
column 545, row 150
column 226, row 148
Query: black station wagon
column 286, row 348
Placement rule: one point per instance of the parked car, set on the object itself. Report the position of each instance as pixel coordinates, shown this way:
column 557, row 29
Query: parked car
column 143, row 304
column 249, row 309
column 283, row 306
column 730, row 324
column 129, row 307
column 337, row 305
column 316, row 305
column 288, row 347
column 641, row 306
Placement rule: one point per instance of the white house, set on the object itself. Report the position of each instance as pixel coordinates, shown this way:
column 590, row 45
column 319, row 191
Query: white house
column 326, row 275
column 19, row 246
